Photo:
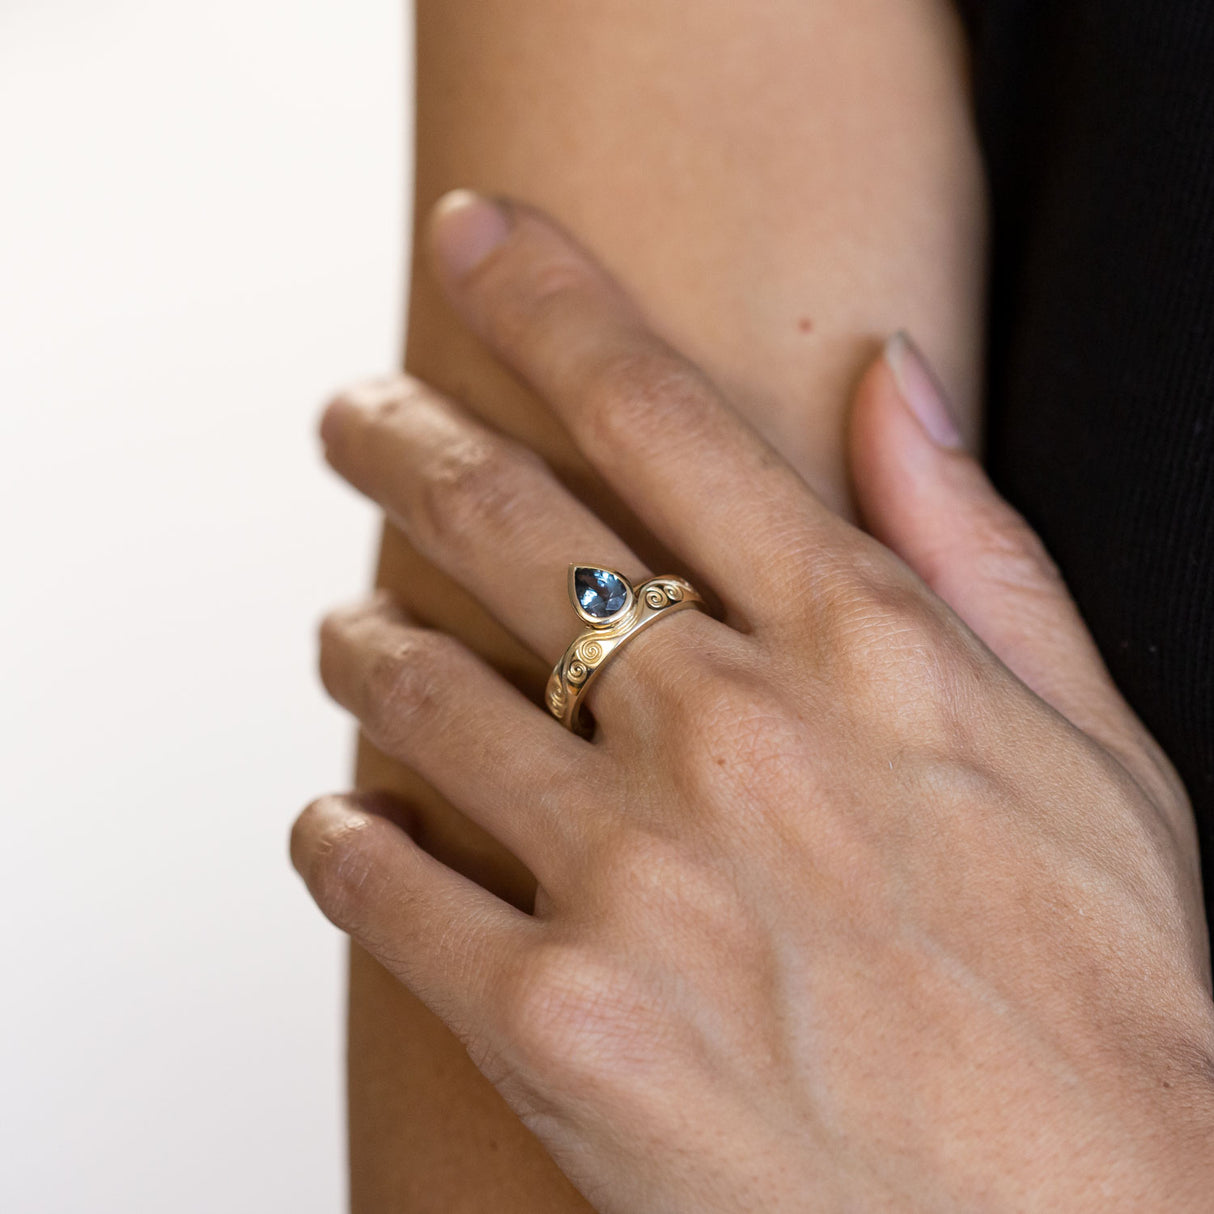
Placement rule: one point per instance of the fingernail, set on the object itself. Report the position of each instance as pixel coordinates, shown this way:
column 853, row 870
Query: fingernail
column 465, row 228
column 921, row 391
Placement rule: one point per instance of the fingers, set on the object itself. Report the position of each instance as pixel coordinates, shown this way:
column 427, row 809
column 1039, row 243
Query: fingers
column 490, row 514
column 425, row 700
column 481, row 507
column 449, row 941
column 657, row 430
column 922, row 495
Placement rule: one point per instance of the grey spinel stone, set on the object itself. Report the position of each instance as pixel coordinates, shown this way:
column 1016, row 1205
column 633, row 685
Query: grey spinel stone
column 600, row 592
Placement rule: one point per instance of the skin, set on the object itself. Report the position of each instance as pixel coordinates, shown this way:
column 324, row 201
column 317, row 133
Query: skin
column 779, row 186
column 876, row 873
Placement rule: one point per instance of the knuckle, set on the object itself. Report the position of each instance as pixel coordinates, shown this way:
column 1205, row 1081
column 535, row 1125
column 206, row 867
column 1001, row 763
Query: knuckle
column 891, row 646
column 538, row 300
column 471, row 489
column 636, row 861
column 535, row 1000
column 880, row 611
column 1010, row 554
column 572, row 1016
column 371, row 396
column 402, row 683
column 368, row 404
column 344, row 637
column 632, row 400
column 555, row 280
column 819, row 578
column 533, row 988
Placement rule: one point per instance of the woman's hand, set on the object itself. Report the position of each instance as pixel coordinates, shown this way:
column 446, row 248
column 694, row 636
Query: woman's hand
column 834, row 911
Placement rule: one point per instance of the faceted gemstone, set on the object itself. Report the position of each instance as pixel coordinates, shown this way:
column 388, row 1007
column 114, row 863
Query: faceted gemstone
column 599, row 591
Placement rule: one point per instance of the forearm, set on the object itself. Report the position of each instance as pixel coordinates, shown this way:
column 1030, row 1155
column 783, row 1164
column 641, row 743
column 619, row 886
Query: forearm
column 780, row 189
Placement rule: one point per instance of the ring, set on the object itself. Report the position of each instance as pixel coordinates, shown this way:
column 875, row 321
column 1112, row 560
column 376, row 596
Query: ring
column 615, row 610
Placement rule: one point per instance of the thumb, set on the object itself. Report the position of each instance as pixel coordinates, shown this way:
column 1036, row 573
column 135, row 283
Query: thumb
column 922, row 495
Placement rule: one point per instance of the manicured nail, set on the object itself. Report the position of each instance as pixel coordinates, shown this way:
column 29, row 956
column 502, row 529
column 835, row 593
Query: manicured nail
column 921, row 391
column 465, row 228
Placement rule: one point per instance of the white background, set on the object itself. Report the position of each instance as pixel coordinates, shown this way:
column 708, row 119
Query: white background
column 201, row 219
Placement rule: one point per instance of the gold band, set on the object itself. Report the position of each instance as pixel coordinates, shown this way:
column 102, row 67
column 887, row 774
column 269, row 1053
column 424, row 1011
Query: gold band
column 615, row 610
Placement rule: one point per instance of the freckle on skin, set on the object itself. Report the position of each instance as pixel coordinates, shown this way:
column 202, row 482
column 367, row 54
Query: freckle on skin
column 805, row 325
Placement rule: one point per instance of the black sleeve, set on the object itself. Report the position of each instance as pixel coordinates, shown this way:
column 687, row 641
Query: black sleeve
column 1097, row 122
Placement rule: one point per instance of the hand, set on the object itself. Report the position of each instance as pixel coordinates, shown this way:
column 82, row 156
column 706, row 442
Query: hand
column 842, row 907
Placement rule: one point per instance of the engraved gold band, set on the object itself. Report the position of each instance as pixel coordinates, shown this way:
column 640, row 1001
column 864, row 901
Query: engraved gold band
column 615, row 610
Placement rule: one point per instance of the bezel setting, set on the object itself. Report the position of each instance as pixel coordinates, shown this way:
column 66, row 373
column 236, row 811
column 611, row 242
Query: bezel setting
column 601, row 621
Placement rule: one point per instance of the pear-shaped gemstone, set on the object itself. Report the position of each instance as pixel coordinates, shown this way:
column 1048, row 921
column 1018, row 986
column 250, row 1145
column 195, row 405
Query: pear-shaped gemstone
column 600, row 592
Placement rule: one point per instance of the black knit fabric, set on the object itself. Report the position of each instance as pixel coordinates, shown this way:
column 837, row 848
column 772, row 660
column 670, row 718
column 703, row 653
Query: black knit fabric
column 1097, row 122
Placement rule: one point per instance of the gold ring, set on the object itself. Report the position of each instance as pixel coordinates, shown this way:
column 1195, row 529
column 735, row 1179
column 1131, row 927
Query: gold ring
column 615, row 610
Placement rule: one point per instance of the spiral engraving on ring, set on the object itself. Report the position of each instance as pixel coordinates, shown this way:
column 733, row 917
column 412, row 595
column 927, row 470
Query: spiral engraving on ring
column 638, row 606
column 662, row 594
column 589, row 651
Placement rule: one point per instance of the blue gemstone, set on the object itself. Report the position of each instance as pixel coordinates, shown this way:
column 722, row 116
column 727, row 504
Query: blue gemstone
column 599, row 591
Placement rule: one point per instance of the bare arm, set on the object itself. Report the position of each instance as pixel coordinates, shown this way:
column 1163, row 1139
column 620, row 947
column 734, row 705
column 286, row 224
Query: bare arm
column 781, row 185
